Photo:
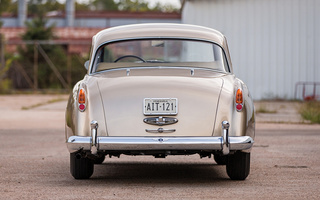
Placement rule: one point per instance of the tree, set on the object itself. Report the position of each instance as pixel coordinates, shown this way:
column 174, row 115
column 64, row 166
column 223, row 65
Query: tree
column 109, row 5
column 37, row 29
column 41, row 7
column 4, row 4
column 133, row 5
column 165, row 8
column 82, row 6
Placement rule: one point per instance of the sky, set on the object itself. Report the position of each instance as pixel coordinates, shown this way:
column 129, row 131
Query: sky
column 176, row 3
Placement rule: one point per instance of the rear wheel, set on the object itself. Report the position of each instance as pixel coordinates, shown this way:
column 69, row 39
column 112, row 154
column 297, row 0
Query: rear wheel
column 220, row 159
column 80, row 167
column 238, row 165
column 99, row 159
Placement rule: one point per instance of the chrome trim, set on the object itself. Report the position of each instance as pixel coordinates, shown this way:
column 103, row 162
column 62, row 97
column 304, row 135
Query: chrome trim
column 159, row 67
column 160, row 130
column 160, row 121
column 225, row 144
column 93, row 56
column 94, row 141
column 76, row 143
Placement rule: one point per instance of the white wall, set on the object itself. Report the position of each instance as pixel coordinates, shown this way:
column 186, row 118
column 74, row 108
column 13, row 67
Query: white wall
column 273, row 43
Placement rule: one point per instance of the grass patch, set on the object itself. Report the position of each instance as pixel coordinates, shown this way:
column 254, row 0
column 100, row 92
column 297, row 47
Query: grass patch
column 42, row 104
column 263, row 109
column 311, row 111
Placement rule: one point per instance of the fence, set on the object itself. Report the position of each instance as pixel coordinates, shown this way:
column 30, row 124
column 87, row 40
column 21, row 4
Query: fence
column 41, row 65
column 307, row 91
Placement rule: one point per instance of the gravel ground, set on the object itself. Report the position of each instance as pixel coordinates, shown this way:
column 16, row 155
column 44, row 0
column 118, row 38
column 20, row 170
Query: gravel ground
column 34, row 162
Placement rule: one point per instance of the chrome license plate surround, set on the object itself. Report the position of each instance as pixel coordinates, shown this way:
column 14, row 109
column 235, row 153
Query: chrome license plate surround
column 160, row 106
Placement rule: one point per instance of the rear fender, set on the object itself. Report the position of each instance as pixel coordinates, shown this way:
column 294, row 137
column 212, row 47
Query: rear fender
column 78, row 122
column 241, row 122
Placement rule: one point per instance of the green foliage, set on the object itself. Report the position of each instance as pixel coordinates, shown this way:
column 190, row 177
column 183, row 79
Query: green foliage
column 41, row 7
column 82, row 6
column 133, row 5
column 6, row 83
column 36, row 7
column 165, row 8
column 37, row 30
column 4, row 5
column 105, row 5
column 5, row 86
column 78, row 71
column 311, row 111
column 263, row 109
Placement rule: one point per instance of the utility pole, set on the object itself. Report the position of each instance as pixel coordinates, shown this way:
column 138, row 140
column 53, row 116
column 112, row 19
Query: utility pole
column 2, row 43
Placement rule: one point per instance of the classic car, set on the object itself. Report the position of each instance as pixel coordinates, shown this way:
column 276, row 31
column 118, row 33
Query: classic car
column 159, row 90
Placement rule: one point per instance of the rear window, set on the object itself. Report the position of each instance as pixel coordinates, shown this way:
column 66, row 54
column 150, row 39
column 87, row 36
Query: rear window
column 160, row 52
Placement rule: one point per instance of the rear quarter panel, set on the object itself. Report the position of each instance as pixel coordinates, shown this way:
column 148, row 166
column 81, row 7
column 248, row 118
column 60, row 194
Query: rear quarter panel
column 77, row 122
column 241, row 123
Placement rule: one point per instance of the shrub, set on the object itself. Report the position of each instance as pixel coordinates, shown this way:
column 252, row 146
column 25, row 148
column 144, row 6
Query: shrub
column 311, row 111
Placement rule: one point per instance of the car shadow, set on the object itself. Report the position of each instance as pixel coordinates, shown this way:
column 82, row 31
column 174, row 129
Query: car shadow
column 158, row 173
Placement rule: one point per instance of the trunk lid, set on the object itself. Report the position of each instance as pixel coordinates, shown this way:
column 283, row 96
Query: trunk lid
column 123, row 93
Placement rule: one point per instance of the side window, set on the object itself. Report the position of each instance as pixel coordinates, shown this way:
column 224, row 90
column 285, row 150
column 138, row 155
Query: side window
column 107, row 55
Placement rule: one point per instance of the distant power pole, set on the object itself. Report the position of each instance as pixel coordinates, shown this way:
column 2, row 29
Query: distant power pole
column 22, row 13
column 2, row 51
column 70, row 10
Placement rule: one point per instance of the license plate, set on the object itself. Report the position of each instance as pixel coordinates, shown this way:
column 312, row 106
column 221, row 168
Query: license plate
column 160, row 106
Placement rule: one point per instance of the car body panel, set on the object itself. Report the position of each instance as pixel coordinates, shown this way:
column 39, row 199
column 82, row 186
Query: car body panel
column 123, row 101
column 159, row 30
column 114, row 98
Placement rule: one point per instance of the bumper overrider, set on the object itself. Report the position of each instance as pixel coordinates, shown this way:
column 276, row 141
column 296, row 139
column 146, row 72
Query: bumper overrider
column 225, row 143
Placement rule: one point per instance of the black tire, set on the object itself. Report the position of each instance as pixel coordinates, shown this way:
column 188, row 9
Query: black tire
column 220, row 159
column 80, row 168
column 99, row 159
column 238, row 165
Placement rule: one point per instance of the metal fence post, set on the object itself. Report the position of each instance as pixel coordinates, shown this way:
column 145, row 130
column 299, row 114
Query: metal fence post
column 69, row 75
column 35, row 66
column 2, row 43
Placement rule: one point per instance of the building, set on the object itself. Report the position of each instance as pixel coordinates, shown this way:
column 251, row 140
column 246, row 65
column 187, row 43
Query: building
column 274, row 44
column 88, row 19
column 77, row 28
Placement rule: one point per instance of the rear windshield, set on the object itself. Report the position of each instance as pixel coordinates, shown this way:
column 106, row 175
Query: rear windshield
column 159, row 52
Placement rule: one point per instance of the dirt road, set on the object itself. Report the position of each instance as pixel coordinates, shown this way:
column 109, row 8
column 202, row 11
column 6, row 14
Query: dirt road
column 34, row 163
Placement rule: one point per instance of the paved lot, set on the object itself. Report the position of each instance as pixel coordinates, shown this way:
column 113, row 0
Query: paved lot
column 34, row 163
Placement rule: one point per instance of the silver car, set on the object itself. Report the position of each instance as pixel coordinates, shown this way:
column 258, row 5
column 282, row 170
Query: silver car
column 159, row 90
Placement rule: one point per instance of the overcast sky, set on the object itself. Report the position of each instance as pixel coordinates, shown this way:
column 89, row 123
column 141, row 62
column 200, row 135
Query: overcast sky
column 176, row 3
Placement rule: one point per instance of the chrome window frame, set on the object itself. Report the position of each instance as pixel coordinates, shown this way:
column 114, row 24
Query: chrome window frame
column 93, row 58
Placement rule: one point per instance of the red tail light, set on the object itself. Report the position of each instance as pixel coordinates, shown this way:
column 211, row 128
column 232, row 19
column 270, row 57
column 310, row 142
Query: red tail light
column 239, row 100
column 82, row 100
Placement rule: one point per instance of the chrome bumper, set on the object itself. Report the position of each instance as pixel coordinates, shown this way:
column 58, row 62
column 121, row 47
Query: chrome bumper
column 76, row 143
